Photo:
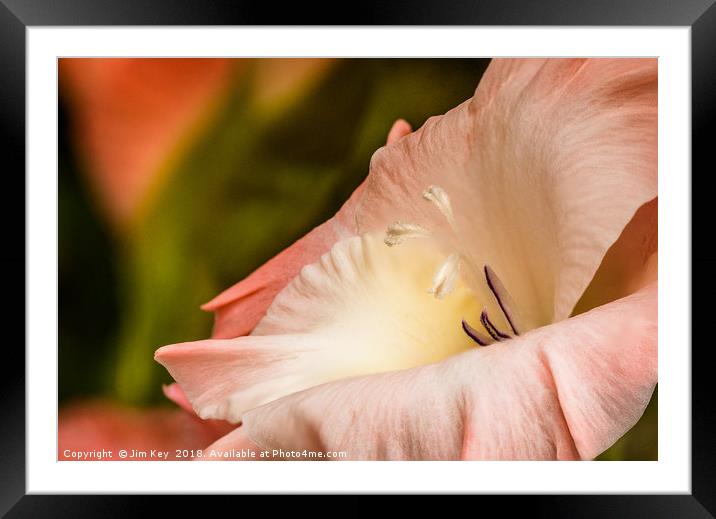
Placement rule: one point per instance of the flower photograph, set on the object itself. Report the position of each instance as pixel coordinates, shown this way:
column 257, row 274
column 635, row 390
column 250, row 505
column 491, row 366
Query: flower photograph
column 379, row 259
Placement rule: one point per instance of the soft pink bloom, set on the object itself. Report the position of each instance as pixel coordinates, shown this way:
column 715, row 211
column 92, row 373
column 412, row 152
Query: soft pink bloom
column 372, row 334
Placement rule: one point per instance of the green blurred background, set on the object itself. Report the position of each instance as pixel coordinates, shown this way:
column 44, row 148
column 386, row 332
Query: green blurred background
column 270, row 149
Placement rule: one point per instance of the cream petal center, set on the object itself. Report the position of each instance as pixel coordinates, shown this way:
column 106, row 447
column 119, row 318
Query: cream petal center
column 448, row 271
column 369, row 309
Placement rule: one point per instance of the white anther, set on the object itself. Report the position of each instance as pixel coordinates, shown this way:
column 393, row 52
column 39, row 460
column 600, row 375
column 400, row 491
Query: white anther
column 445, row 276
column 440, row 198
column 399, row 231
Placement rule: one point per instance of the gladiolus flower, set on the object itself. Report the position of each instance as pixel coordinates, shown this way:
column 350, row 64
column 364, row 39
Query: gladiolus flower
column 434, row 316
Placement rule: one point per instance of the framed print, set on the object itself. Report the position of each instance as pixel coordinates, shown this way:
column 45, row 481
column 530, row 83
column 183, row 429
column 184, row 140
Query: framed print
column 427, row 254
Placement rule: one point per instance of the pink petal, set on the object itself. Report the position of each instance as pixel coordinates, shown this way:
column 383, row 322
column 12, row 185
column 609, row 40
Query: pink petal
column 235, row 446
column 630, row 264
column 565, row 391
column 175, row 393
column 400, row 129
column 224, row 378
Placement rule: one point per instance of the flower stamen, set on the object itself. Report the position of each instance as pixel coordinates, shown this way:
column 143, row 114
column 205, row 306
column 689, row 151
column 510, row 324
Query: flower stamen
column 475, row 335
column 506, row 304
column 399, row 231
column 494, row 332
column 503, row 298
column 446, row 274
column 445, row 277
column 440, row 198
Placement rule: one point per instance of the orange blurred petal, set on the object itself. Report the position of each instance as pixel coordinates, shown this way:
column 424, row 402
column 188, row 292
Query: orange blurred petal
column 130, row 114
column 92, row 426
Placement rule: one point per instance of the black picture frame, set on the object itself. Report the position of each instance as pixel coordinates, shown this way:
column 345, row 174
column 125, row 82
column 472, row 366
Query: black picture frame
column 17, row 15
